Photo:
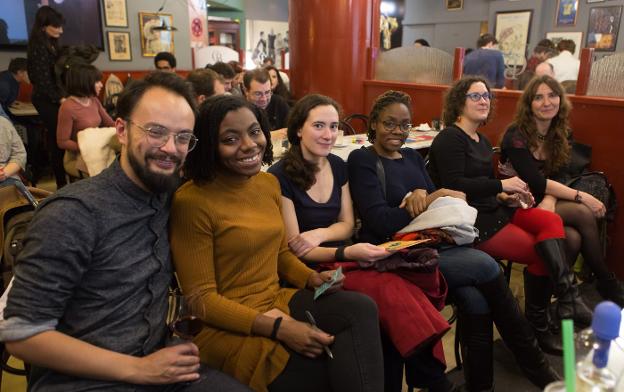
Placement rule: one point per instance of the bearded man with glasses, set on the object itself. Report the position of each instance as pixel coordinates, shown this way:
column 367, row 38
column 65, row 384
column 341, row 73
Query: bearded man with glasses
column 89, row 300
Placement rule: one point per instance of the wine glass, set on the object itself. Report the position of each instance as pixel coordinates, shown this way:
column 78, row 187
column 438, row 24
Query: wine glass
column 181, row 318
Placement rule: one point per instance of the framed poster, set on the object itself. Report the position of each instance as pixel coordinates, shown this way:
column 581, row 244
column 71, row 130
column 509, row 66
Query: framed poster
column 594, row 1
column 115, row 13
column 577, row 37
column 454, row 5
column 119, row 46
column 512, row 32
column 604, row 25
column 155, row 37
column 566, row 12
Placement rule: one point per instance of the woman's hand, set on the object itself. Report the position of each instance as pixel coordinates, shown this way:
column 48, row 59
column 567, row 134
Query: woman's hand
column 275, row 313
column 548, row 203
column 596, row 206
column 301, row 244
column 415, row 202
column 303, row 338
column 318, row 278
column 514, row 185
column 517, row 200
column 365, row 252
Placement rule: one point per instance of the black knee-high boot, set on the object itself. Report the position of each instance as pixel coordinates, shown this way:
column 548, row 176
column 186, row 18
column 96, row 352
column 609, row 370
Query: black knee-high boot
column 516, row 332
column 476, row 341
column 537, row 293
column 569, row 303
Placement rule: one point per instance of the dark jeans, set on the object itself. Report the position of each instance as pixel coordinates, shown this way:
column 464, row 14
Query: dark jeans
column 357, row 365
column 48, row 112
column 209, row 380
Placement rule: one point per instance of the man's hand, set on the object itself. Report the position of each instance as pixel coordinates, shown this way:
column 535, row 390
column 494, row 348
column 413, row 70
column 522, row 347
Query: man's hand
column 302, row 338
column 179, row 363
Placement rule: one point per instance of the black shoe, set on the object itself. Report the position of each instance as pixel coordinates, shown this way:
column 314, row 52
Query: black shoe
column 612, row 289
column 476, row 341
column 537, row 293
column 517, row 333
column 570, row 305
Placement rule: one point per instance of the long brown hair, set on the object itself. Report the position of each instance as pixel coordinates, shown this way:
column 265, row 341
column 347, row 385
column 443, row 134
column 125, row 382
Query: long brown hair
column 556, row 145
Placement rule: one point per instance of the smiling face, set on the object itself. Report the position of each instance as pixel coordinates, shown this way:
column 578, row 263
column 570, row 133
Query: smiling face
column 545, row 104
column 476, row 112
column 259, row 93
column 241, row 143
column 389, row 141
column 319, row 132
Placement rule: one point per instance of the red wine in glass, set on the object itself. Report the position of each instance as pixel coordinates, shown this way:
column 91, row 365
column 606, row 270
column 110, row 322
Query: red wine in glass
column 182, row 320
column 187, row 327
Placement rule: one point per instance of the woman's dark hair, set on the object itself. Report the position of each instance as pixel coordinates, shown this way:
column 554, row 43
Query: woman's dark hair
column 280, row 89
column 80, row 80
column 202, row 163
column 381, row 102
column 455, row 99
column 46, row 16
column 297, row 169
column 556, row 145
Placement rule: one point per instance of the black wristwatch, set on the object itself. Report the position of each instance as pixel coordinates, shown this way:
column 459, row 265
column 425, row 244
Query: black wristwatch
column 578, row 198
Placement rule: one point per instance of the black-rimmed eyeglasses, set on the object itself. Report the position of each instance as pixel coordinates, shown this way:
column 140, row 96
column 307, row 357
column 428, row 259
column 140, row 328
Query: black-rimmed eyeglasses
column 391, row 126
column 158, row 136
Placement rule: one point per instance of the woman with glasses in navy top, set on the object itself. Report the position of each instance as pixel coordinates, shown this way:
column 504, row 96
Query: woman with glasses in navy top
column 461, row 159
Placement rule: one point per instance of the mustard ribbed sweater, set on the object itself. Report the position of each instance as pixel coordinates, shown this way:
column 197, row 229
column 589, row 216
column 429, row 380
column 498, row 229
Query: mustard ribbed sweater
column 228, row 244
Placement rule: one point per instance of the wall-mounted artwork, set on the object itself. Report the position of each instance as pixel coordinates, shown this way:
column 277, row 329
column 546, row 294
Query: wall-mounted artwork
column 512, row 32
column 576, row 36
column 154, row 34
column 604, row 25
column 119, row 46
column 454, row 5
column 265, row 39
column 566, row 12
column 115, row 13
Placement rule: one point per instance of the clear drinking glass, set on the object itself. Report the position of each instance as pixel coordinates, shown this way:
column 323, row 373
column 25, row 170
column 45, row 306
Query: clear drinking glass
column 181, row 319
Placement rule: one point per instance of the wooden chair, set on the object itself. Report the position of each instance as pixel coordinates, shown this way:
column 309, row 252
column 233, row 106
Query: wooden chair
column 362, row 118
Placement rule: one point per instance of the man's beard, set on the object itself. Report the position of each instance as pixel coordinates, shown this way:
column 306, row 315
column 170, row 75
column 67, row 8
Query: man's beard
column 155, row 182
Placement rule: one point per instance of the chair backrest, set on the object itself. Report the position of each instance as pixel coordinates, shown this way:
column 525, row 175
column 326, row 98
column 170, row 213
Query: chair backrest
column 362, row 119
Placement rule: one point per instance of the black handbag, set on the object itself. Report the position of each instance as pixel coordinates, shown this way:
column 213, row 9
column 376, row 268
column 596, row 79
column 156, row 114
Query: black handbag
column 596, row 184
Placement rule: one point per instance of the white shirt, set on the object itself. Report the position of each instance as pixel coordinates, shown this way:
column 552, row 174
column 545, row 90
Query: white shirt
column 566, row 66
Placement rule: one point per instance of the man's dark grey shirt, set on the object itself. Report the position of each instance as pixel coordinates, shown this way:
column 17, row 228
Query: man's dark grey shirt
column 95, row 266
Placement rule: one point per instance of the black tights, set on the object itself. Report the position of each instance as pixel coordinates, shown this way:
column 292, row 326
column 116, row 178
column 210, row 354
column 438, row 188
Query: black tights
column 357, row 365
column 582, row 235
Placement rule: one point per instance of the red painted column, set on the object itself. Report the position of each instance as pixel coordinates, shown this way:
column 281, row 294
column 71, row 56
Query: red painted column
column 329, row 46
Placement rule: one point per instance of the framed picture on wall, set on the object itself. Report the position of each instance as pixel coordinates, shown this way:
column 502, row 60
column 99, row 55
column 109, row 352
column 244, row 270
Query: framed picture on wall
column 594, row 1
column 576, row 36
column 156, row 34
column 454, row 5
column 603, row 29
column 119, row 46
column 512, row 32
column 566, row 12
column 115, row 13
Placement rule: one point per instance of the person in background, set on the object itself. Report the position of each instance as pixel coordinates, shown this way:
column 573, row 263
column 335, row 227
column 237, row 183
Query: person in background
column 165, row 61
column 43, row 51
column 229, row 247
column 226, row 71
column 237, row 82
column 544, row 50
column 268, row 61
column 81, row 110
column 88, row 305
column 486, row 61
column 277, row 84
column 206, row 83
column 536, row 148
column 421, row 42
column 258, row 91
column 509, row 228
column 565, row 64
column 10, row 80
column 12, row 153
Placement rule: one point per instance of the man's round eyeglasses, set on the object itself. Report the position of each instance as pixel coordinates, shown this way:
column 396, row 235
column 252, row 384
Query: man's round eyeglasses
column 391, row 126
column 158, row 136
column 476, row 97
column 260, row 94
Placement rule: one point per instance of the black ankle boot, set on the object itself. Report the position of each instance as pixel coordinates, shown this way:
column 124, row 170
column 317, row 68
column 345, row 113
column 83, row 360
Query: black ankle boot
column 569, row 304
column 476, row 341
column 537, row 292
column 612, row 289
column 517, row 333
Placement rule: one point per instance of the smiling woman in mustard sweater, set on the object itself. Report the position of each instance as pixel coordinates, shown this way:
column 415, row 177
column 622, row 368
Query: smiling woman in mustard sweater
column 230, row 251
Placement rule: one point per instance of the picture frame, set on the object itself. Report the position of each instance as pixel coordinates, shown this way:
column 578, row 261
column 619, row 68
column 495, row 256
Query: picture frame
column 566, row 12
column 155, row 41
column 594, row 1
column 576, row 36
column 512, row 30
column 115, row 13
column 454, row 5
column 119, row 48
column 603, row 28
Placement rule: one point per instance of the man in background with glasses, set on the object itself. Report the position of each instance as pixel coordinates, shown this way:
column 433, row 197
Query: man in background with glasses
column 257, row 85
column 89, row 300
